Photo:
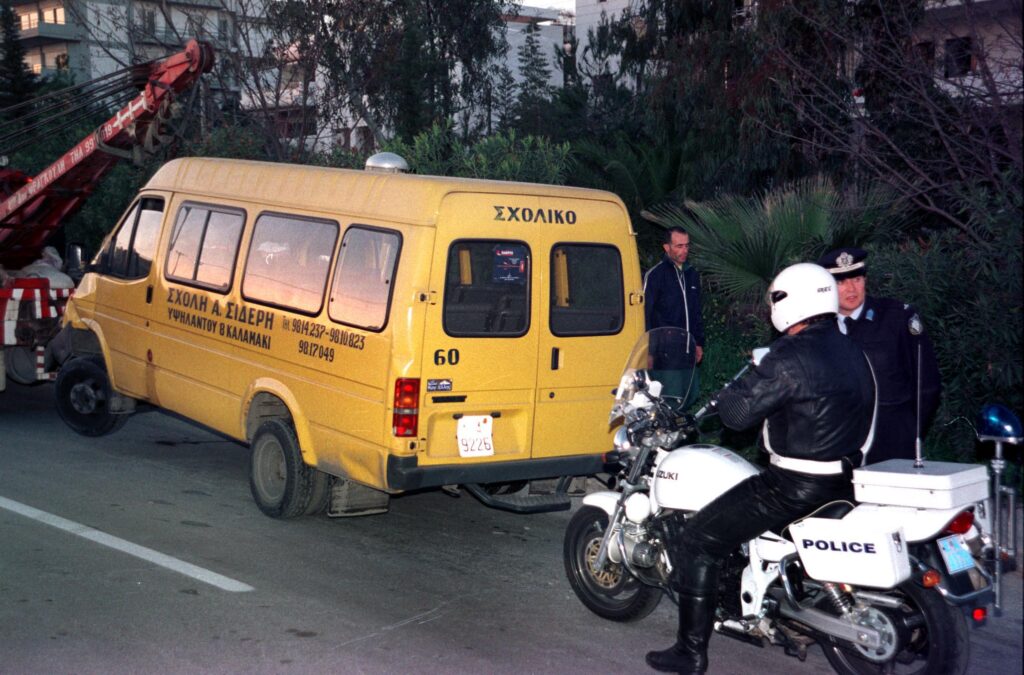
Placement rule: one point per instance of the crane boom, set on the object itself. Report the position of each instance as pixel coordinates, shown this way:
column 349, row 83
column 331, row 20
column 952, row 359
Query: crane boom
column 34, row 211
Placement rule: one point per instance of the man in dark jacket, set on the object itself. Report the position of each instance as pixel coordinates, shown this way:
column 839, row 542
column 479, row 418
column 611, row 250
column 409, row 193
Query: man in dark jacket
column 672, row 298
column 892, row 335
column 814, row 393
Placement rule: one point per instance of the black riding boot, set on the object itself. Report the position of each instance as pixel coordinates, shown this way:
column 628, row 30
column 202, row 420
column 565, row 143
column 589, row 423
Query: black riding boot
column 690, row 652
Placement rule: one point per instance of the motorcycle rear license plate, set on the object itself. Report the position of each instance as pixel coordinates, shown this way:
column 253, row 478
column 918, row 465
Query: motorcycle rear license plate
column 955, row 554
column 474, row 436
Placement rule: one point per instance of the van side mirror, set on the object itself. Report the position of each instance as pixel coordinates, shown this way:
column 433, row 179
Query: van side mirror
column 73, row 262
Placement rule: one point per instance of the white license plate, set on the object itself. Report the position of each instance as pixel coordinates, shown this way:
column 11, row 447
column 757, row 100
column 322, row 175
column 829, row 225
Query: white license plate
column 474, row 436
column 955, row 553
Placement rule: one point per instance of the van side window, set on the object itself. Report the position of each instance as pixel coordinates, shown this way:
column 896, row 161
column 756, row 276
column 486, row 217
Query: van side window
column 586, row 290
column 487, row 289
column 288, row 261
column 203, row 246
column 364, row 278
column 130, row 255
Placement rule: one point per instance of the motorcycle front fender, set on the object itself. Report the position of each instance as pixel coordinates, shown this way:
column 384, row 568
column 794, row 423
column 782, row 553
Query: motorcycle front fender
column 604, row 500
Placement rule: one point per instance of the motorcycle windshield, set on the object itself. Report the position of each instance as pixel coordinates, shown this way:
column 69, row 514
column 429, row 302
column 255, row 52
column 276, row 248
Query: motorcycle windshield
column 664, row 355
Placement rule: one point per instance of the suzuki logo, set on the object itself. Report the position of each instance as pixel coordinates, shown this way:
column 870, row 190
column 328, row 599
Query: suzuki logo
column 667, row 475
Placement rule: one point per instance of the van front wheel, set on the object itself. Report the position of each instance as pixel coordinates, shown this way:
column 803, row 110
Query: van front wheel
column 83, row 396
column 281, row 482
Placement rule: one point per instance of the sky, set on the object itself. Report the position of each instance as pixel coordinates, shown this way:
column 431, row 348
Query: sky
column 557, row 4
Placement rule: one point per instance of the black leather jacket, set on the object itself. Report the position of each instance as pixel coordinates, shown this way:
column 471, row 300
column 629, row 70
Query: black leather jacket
column 816, row 391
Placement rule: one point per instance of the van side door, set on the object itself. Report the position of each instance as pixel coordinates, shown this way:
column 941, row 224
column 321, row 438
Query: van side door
column 124, row 291
column 589, row 320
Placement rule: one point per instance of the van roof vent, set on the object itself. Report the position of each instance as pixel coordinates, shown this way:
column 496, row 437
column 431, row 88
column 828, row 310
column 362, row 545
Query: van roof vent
column 387, row 162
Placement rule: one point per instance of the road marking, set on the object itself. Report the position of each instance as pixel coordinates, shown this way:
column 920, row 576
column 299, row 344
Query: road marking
column 147, row 554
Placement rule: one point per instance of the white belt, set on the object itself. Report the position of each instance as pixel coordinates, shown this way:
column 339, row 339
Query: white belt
column 807, row 465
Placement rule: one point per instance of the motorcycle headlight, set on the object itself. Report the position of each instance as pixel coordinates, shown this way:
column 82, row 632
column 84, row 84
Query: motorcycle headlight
column 621, row 440
column 638, row 508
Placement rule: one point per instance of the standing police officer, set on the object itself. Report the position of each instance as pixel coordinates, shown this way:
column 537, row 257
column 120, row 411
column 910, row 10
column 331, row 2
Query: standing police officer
column 893, row 337
column 815, row 396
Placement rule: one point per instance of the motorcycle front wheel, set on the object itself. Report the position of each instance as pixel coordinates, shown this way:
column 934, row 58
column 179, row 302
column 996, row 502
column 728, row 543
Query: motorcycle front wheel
column 612, row 593
column 933, row 639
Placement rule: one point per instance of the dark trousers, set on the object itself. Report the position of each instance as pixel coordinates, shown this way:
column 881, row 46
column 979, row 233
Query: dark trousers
column 768, row 501
column 895, row 433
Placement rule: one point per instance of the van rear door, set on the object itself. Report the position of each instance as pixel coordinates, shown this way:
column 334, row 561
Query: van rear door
column 590, row 316
column 480, row 344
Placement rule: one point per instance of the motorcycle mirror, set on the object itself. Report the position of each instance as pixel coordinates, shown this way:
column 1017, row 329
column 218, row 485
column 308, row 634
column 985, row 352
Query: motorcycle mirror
column 640, row 379
column 998, row 423
column 758, row 355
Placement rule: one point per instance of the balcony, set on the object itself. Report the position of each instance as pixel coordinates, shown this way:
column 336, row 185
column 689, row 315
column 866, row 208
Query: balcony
column 49, row 33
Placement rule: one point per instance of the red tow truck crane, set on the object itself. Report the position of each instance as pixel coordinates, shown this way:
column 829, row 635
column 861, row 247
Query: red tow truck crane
column 34, row 207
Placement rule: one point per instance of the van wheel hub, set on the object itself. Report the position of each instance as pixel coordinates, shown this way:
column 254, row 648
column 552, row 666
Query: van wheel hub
column 85, row 399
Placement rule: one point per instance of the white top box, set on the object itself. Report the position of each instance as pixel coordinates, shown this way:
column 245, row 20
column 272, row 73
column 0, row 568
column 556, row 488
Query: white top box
column 936, row 485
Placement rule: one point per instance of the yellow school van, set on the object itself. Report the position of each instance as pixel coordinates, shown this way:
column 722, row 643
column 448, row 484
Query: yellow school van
column 365, row 332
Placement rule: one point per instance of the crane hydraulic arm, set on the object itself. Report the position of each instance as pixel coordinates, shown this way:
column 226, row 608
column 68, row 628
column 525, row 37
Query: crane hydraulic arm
column 34, row 211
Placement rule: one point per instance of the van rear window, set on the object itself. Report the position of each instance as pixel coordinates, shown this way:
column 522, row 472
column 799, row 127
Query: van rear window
column 203, row 246
column 288, row 261
column 487, row 289
column 364, row 278
column 586, row 290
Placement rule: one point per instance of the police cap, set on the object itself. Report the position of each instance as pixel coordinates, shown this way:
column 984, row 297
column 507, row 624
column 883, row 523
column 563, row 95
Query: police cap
column 845, row 263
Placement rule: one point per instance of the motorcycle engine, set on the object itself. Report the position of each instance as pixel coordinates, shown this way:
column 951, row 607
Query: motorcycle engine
column 639, row 550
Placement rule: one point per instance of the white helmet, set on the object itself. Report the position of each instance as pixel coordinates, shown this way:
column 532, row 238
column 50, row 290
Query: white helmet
column 799, row 292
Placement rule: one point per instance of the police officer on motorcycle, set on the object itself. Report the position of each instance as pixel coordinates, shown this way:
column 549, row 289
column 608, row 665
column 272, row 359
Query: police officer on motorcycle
column 814, row 394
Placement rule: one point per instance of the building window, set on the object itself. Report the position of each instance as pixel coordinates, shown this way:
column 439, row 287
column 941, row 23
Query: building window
column 148, row 24
column 959, row 57
column 53, row 15
column 925, row 53
column 29, row 20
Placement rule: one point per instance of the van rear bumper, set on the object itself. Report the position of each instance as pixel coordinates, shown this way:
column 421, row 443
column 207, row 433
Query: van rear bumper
column 404, row 473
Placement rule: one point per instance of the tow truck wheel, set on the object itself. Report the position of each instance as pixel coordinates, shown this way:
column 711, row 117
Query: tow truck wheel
column 281, row 482
column 83, row 397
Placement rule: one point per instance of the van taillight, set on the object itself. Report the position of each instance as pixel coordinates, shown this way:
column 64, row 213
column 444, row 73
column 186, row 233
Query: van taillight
column 961, row 524
column 406, row 416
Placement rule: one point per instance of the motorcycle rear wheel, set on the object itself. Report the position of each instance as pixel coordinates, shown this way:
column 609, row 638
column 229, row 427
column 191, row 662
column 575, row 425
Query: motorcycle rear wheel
column 934, row 640
column 613, row 593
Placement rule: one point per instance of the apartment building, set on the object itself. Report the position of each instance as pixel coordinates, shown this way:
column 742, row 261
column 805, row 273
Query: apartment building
column 91, row 38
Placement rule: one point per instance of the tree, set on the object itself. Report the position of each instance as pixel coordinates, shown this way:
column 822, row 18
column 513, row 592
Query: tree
column 742, row 243
column 534, row 91
column 942, row 128
column 17, row 82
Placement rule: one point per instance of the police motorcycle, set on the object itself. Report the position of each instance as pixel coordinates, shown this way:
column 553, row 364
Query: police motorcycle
column 882, row 585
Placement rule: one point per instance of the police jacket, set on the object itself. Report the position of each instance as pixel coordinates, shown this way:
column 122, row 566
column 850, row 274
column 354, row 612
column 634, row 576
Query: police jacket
column 672, row 298
column 814, row 389
column 885, row 331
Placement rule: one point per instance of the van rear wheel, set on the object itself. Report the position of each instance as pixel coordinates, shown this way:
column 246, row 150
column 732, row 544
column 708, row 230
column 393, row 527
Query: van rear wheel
column 281, row 482
column 83, row 396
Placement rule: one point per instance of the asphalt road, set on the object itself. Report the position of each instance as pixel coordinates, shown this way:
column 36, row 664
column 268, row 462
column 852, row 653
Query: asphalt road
column 142, row 552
